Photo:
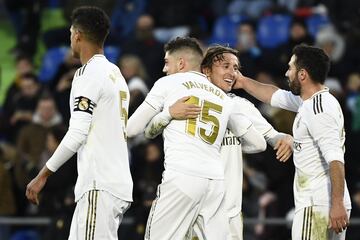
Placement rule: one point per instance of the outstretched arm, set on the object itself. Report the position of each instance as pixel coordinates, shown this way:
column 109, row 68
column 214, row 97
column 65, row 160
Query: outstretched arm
column 251, row 140
column 262, row 92
column 140, row 118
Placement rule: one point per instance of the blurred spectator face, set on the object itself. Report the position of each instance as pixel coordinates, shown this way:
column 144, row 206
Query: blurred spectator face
column 28, row 87
column 223, row 71
column 46, row 109
column 328, row 47
column 144, row 27
column 298, row 31
column 246, row 37
column 152, row 153
column 24, row 66
column 353, row 83
column 128, row 67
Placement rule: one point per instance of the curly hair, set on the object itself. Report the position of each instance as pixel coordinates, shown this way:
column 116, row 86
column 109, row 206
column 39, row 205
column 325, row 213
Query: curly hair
column 92, row 22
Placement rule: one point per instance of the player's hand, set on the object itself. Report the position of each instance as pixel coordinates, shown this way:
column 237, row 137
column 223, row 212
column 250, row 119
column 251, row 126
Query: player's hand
column 338, row 218
column 284, row 148
column 181, row 110
column 33, row 189
column 239, row 78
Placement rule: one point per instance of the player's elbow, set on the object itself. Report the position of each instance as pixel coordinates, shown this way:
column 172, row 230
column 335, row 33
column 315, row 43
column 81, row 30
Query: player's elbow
column 259, row 146
column 253, row 142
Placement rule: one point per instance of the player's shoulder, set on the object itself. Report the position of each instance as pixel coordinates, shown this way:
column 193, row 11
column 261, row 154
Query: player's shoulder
column 240, row 101
column 321, row 102
column 80, row 71
column 97, row 66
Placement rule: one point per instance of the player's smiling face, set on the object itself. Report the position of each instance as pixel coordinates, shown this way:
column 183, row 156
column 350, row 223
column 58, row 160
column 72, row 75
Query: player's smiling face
column 223, row 72
column 170, row 64
column 292, row 75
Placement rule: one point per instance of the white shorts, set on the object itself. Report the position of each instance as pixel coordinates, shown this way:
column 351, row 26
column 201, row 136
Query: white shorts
column 183, row 201
column 312, row 223
column 97, row 215
column 235, row 225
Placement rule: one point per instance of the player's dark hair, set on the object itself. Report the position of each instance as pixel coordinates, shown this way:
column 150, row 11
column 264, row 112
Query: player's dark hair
column 214, row 54
column 183, row 43
column 92, row 22
column 314, row 60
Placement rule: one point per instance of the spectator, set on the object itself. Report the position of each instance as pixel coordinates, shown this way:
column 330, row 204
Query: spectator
column 147, row 172
column 135, row 75
column 21, row 107
column 334, row 46
column 32, row 140
column 144, row 45
column 298, row 34
column 25, row 16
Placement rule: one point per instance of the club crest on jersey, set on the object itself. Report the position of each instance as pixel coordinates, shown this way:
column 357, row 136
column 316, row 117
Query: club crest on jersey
column 84, row 104
column 297, row 146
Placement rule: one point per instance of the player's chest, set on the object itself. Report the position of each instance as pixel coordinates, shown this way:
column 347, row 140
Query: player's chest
column 300, row 128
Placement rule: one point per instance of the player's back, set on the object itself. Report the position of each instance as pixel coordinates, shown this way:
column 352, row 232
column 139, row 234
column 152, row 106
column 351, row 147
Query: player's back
column 192, row 146
column 103, row 159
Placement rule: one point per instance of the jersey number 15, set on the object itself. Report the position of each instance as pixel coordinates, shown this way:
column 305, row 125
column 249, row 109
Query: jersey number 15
column 206, row 118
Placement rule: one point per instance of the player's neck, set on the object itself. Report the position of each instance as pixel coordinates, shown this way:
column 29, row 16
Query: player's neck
column 310, row 90
column 88, row 51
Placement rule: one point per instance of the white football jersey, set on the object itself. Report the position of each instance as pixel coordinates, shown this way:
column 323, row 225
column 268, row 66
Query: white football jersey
column 100, row 90
column 319, row 138
column 231, row 153
column 193, row 146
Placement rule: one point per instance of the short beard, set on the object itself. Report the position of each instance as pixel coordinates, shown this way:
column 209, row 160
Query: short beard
column 295, row 86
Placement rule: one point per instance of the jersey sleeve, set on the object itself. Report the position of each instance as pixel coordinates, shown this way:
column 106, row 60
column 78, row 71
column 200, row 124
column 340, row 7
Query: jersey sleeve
column 241, row 126
column 285, row 100
column 254, row 115
column 86, row 93
column 157, row 95
column 325, row 130
column 157, row 124
column 139, row 119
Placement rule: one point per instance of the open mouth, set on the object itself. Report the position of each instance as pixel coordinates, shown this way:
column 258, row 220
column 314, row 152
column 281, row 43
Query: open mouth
column 228, row 80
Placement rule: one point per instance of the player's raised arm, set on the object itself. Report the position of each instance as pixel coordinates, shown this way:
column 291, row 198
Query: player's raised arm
column 262, row 92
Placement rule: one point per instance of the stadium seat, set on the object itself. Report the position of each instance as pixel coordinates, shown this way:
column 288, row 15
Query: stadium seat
column 225, row 29
column 316, row 22
column 51, row 62
column 273, row 30
column 112, row 53
column 25, row 235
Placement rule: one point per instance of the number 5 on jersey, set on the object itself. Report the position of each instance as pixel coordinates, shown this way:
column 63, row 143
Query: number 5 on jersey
column 206, row 118
column 124, row 113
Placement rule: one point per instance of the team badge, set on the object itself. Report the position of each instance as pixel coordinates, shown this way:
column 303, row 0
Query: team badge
column 84, row 104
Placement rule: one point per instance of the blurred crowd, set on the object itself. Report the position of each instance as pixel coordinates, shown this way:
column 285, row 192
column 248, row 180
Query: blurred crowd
column 35, row 113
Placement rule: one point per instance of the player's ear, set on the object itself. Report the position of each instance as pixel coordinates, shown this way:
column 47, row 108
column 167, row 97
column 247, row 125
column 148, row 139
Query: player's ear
column 302, row 74
column 181, row 64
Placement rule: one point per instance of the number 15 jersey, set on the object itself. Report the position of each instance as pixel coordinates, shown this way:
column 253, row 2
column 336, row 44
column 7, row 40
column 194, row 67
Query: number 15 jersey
column 192, row 146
